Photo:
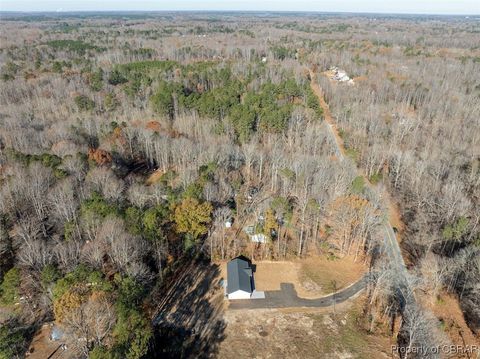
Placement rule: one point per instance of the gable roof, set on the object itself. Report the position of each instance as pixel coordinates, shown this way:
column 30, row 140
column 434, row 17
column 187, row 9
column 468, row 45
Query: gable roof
column 239, row 276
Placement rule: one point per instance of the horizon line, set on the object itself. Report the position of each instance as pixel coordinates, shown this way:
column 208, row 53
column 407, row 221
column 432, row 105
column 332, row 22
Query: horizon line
column 59, row 12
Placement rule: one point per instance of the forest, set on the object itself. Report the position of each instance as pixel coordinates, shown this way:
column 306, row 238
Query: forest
column 127, row 142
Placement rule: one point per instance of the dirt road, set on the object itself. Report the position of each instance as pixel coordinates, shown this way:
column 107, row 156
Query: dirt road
column 391, row 246
column 339, row 146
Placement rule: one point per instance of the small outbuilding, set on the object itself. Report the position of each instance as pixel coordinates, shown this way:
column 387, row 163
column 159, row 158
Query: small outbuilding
column 258, row 238
column 240, row 284
column 56, row 333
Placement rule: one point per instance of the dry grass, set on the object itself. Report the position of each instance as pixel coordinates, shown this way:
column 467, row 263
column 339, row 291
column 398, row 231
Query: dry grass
column 269, row 275
column 452, row 321
column 154, row 177
column 300, row 333
column 325, row 273
column 41, row 346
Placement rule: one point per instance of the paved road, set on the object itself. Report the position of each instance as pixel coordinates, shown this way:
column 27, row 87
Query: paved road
column 397, row 263
column 287, row 297
column 394, row 252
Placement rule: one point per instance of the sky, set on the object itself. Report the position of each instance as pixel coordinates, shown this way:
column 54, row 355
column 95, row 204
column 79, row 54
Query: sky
column 464, row 7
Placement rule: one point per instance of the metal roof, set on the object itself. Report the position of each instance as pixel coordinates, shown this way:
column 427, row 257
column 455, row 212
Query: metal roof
column 239, row 276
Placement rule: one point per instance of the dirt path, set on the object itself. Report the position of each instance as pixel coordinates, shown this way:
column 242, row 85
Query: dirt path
column 327, row 115
column 326, row 112
column 393, row 221
column 393, row 211
column 394, row 216
column 459, row 331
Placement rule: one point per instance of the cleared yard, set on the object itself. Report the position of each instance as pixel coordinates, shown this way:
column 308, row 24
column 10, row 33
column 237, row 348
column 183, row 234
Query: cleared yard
column 301, row 333
column 311, row 277
column 324, row 275
column 42, row 347
column 197, row 319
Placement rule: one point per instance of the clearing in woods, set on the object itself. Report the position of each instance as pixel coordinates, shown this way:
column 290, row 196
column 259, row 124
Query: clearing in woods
column 312, row 277
column 302, row 333
column 334, row 332
column 313, row 282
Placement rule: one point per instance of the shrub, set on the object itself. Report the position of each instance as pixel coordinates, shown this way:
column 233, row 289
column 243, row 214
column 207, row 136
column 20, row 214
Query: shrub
column 98, row 206
column 358, row 185
column 192, row 217
column 9, row 70
column 352, row 153
column 132, row 333
column 100, row 352
column 96, row 80
column 49, row 275
column 81, row 275
column 13, row 339
column 116, row 78
column 457, row 230
column 375, row 178
column 57, row 67
column 110, row 103
column 9, row 287
column 84, row 103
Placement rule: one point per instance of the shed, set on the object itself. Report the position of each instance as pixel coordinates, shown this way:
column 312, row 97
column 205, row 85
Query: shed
column 56, row 333
column 258, row 238
column 240, row 283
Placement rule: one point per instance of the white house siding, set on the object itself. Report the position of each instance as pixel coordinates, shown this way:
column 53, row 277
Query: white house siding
column 239, row 294
column 258, row 238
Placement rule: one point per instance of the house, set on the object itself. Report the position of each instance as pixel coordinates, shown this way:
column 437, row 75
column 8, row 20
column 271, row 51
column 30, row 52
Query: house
column 240, row 283
column 340, row 75
column 258, row 238
column 255, row 237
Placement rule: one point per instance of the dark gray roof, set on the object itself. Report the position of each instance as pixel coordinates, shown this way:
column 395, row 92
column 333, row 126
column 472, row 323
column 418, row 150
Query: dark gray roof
column 239, row 276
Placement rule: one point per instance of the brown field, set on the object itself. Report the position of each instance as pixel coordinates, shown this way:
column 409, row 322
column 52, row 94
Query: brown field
column 301, row 333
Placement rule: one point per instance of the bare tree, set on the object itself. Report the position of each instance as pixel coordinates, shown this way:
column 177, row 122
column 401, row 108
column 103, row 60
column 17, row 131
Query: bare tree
column 90, row 324
column 105, row 182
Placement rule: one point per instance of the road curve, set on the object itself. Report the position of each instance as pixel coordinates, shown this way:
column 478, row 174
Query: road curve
column 287, row 297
